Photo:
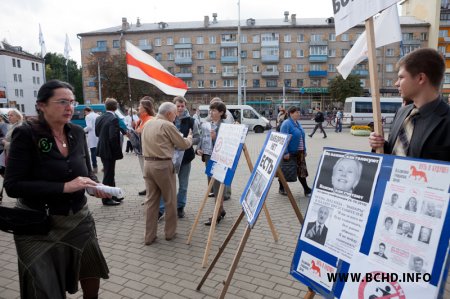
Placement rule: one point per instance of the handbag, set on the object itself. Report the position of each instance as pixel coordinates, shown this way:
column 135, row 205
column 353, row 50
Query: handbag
column 289, row 168
column 20, row 221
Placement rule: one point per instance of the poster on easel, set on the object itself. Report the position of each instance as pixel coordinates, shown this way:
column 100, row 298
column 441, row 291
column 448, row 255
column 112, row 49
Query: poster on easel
column 259, row 183
column 226, row 152
column 377, row 226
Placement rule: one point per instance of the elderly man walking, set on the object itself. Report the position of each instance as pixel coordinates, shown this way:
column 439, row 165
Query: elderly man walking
column 159, row 139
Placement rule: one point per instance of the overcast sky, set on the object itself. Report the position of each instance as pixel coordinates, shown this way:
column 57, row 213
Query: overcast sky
column 20, row 19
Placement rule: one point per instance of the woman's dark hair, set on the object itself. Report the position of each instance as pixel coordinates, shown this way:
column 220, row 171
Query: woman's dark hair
column 147, row 104
column 292, row 109
column 47, row 90
column 219, row 106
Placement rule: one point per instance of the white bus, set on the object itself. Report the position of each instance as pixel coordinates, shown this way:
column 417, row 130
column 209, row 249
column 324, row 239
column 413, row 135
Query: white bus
column 358, row 110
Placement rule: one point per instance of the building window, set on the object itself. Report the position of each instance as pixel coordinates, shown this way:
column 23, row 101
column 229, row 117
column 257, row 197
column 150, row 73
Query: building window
column 244, row 54
column 35, row 93
column 318, row 50
column 21, row 93
column 228, row 83
column 143, row 42
column 183, row 54
column 272, row 51
column 20, row 78
column 185, row 70
column 102, row 44
column 32, row 66
column 255, row 38
column 287, row 53
column 212, row 83
column 255, row 82
column 228, row 37
column 441, row 49
column 200, row 40
column 212, row 69
column 287, row 38
column 287, row 83
column 212, row 54
column 344, row 52
column 300, row 53
column 185, row 40
column 169, row 41
column 409, row 48
column 34, row 80
column 256, row 54
column 18, row 63
column 316, row 37
column 212, row 39
column 423, row 36
column 255, row 68
column 389, row 67
column 408, row 36
column 315, row 67
column 188, row 83
column 362, row 82
column 332, row 37
column 300, row 68
column 116, row 43
column 200, row 55
column 158, row 42
column 200, row 84
column 389, row 83
column 15, row 77
column 271, row 83
column 443, row 33
column 200, row 69
column 38, row 80
column 16, row 92
column 37, row 67
column 170, row 56
column 389, row 52
column 243, row 39
column 13, row 62
column 332, row 52
column 229, row 52
column 300, row 38
column 344, row 37
column 268, row 37
column 316, row 82
column 158, row 56
column 331, row 68
column 287, row 68
column 300, row 82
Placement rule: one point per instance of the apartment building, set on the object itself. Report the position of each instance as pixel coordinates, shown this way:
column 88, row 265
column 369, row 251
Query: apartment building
column 286, row 54
column 444, row 42
column 21, row 75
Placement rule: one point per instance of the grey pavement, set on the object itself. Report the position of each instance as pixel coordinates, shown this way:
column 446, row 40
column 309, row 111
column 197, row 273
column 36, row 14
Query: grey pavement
column 172, row 269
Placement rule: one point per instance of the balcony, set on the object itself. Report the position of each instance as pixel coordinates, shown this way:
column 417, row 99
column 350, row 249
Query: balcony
column 270, row 43
column 229, row 59
column 184, row 75
column 183, row 46
column 361, row 73
column 318, row 73
column 147, row 48
column 412, row 42
column 270, row 74
column 318, row 43
column 228, row 44
column 99, row 49
column 318, row 58
column 270, row 58
column 229, row 74
column 183, row 61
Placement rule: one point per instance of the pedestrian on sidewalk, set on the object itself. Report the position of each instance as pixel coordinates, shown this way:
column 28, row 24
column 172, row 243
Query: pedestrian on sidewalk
column 319, row 119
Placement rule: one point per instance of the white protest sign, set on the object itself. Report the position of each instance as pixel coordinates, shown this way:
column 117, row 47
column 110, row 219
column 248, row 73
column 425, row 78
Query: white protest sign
column 349, row 13
column 227, row 143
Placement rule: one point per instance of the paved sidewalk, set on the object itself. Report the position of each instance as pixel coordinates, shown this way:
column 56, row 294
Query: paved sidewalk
column 172, row 269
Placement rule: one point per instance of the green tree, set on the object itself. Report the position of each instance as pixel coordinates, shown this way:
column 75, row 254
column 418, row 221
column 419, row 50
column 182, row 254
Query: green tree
column 113, row 71
column 341, row 89
column 56, row 68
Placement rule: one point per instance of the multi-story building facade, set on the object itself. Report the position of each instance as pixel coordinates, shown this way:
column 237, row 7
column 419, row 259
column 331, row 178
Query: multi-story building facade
column 290, row 55
column 444, row 42
column 21, row 75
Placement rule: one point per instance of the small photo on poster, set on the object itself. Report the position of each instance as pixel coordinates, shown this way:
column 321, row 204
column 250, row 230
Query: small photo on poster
column 388, row 224
column 431, row 209
column 425, row 234
column 405, row 228
column 317, row 230
column 381, row 251
column 417, row 264
column 393, row 200
column 411, row 204
column 348, row 174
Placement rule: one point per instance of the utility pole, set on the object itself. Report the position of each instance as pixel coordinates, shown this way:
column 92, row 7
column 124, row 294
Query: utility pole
column 99, row 81
column 239, row 54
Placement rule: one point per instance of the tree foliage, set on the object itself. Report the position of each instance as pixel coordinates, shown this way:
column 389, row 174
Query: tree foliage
column 341, row 89
column 114, row 79
column 56, row 68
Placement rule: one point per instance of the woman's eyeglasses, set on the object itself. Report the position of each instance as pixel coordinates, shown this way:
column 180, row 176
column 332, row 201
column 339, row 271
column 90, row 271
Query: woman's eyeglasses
column 65, row 103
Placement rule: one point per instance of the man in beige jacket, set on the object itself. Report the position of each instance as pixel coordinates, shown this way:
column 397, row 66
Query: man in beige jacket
column 159, row 139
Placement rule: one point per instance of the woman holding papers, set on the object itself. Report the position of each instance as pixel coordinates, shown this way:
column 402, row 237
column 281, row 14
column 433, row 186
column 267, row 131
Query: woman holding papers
column 217, row 112
column 48, row 170
column 296, row 148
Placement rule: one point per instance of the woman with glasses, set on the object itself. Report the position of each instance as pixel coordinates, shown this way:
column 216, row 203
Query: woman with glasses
column 48, row 170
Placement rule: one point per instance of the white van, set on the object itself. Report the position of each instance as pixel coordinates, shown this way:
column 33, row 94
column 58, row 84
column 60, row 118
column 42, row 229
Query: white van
column 358, row 110
column 244, row 114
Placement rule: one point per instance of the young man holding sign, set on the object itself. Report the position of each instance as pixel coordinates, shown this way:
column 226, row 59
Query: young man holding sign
column 420, row 130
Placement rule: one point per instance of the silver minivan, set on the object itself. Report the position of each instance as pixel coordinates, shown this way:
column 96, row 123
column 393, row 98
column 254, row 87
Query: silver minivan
column 244, row 114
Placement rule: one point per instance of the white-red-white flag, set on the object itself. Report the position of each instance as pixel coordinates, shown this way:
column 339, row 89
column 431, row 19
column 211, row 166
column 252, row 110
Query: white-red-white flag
column 144, row 67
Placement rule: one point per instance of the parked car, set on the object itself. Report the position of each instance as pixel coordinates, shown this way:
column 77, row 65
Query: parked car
column 78, row 115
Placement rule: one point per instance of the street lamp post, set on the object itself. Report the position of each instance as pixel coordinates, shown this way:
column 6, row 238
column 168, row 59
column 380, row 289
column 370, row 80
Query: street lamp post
column 99, row 82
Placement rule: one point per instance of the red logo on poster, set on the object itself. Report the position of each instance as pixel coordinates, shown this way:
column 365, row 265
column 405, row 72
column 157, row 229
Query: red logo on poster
column 315, row 268
column 380, row 290
column 418, row 174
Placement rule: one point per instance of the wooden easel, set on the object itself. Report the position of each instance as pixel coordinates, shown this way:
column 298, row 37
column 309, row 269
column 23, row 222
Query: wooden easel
column 216, row 213
column 245, row 238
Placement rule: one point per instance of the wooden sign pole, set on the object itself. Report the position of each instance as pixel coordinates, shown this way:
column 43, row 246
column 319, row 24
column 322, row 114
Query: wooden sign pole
column 373, row 75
